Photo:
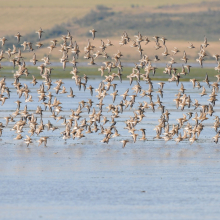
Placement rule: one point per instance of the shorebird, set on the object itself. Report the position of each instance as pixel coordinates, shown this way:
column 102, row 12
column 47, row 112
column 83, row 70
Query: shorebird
column 43, row 140
column 24, row 45
column 3, row 39
column 28, row 140
column 109, row 44
column 216, row 137
column 124, row 142
column 193, row 81
column 165, row 53
column 175, row 50
column 184, row 58
column 206, row 80
column 93, row 31
column 190, row 46
column 203, row 91
column 156, row 58
column 38, row 45
column 71, row 93
column 18, row 137
column 156, row 38
column 188, row 68
column 216, row 56
column 200, row 60
column 39, row 32
column 163, row 39
column 18, row 36
column 205, row 44
column 157, row 46
column 34, row 59
column 54, row 41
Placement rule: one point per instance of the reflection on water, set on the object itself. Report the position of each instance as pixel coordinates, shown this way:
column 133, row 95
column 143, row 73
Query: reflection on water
column 86, row 179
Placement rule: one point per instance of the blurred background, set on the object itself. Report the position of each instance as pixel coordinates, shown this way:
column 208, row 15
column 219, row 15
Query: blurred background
column 179, row 21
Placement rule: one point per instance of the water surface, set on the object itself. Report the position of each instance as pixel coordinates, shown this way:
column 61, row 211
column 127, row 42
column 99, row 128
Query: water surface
column 86, row 179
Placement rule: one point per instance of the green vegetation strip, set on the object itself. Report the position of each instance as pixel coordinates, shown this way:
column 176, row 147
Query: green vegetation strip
column 92, row 72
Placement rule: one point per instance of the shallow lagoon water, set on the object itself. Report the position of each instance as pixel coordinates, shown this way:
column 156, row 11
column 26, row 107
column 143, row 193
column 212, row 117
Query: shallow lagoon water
column 86, row 179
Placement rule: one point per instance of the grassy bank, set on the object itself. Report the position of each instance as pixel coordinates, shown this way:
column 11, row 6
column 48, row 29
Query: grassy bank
column 92, row 73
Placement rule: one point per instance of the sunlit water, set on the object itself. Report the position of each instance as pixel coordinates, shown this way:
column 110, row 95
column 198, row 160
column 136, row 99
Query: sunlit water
column 86, row 179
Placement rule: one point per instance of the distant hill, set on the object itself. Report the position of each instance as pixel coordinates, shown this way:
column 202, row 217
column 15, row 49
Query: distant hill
column 26, row 16
column 177, row 22
column 190, row 26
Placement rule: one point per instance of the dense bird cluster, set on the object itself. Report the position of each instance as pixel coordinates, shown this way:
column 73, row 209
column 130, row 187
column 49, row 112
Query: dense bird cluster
column 74, row 125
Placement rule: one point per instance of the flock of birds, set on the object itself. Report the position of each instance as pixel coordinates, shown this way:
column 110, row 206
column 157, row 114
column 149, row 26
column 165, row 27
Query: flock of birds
column 77, row 127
